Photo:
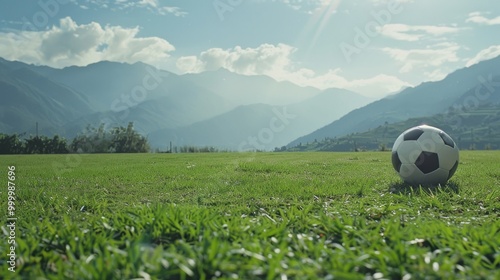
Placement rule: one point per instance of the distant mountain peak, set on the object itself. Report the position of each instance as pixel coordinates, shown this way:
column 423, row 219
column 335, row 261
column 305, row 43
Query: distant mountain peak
column 426, row 99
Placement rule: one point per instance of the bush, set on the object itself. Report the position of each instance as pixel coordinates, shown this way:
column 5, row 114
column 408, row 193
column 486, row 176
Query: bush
column 93, row 140
column 118, row 139
column 12, row 144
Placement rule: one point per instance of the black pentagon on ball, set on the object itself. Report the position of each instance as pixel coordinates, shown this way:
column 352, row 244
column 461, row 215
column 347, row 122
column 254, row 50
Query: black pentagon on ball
column 413, row 134
column 452, row 170
column 447, row 139
column 396, row 162
column 427, row 162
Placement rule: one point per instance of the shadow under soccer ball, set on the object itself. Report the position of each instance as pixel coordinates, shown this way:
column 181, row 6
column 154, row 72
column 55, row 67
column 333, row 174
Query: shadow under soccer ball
column 405, row 188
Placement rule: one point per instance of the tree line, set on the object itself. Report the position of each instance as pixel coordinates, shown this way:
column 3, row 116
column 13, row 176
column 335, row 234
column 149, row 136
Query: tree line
column 92, row 140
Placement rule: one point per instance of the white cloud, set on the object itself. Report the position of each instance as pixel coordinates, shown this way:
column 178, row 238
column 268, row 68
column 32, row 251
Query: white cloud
column 478, row 17
column 385, row 2
column 72, row 44
column 488, row 53
column 431, row 57
column 435, row 75
column 189, row 64
column 377, row 86
column 176, row 11
column 413, row 33
column 275, row 61
column 266, row 59
column 152, row 5
column 99, row 3
column 308, row 6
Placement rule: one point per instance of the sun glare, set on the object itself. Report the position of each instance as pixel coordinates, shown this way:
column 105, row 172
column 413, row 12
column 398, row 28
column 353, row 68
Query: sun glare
column 319, row 19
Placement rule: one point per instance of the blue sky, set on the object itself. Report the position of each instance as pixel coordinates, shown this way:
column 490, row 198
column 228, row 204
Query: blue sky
column 373, row 47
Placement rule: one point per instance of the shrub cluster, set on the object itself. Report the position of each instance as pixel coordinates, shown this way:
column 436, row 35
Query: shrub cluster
column 13, row 144
column 92, row 140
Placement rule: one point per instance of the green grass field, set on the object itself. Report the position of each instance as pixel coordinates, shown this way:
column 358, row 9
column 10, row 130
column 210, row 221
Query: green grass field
column 248, row 216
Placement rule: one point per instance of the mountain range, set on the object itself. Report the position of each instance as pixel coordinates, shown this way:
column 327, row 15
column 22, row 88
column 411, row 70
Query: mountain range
column 217, row 108
column 475, row 127
column 221, row 108
column 471, row 86
column 263, row 126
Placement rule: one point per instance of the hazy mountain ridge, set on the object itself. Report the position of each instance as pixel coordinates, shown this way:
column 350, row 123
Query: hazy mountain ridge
column 247, row 90
column 162, row 104
column 217, row 108
column 477, row 127
column 28, row 97
column 424, row 100
column 270, row 126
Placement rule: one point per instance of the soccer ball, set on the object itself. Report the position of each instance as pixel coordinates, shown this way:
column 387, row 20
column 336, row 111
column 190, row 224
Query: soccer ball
column 425, row 155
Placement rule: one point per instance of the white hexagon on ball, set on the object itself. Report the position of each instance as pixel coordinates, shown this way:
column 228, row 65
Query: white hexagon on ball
column 425, row 155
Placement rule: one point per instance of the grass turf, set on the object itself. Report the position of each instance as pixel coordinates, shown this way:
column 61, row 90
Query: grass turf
column 249, row 216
